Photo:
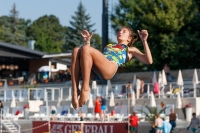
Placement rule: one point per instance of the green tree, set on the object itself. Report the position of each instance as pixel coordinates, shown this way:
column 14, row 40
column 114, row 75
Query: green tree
column 13, row 28
column 48, row 33
column 3, row 21
column 164, row 19
column 81, row 21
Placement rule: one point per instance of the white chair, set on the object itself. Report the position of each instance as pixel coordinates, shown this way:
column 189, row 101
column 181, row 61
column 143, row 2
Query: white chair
column 20, row 109
column 43, row 116
column 75, row 117
column 36, row 116
column 89, row 116
column 121, row 117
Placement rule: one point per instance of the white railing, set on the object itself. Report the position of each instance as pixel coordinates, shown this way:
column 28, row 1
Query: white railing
column 55, row 92
column 2, row 124
column 17, row 125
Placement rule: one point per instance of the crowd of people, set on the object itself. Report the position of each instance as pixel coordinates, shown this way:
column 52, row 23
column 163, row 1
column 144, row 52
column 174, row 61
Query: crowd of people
column 161, row 125
column 138, row 88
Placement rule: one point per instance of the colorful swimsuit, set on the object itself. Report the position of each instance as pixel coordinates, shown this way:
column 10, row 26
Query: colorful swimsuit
column 117, row 53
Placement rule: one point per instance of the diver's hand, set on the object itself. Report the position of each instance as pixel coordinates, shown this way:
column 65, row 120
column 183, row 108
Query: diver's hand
column 143, row 34
column 86, row 36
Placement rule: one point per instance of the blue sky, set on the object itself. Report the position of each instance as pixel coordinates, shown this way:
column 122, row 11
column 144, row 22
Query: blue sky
column 63, row 9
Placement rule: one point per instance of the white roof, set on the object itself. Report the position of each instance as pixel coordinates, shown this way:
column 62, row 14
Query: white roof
column 58, row 55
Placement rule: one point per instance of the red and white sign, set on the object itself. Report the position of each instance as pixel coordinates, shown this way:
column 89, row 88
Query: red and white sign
column 67, row 127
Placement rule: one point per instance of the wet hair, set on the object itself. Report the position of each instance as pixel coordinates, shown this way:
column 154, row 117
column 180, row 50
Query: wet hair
column 132, row 34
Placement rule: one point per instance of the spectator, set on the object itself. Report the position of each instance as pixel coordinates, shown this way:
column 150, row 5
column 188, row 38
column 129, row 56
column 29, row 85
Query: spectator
column 97, row 107
column 133, row 122
column 166, row 126
column 53, row 112
column 1, row 107
column 123, row 89
column 194, row 124
column 158, row 124
column 167, row 71
column 103, row 107
column 138, row 87
column 172, row 119
column 113, row 112
column 142, row 86
column 156, row 89
column 129, row 89
column 68, row 75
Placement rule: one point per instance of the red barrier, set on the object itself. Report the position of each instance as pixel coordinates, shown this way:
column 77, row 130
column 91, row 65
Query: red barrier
column 70, row 127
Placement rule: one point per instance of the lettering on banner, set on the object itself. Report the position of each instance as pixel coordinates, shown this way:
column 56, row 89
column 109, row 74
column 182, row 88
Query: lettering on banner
column 57, row 128
column 89, row 128
column 72, row 128
column 67, row 127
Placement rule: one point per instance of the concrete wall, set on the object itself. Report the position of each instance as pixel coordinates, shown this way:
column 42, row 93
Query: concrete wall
column 194, row 101
column 146, row 76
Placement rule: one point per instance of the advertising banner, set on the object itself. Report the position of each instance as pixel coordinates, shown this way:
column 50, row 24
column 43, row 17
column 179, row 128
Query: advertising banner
column 71, row 127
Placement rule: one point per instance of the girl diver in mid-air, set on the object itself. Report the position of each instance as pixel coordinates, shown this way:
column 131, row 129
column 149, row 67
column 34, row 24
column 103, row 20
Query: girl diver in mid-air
column 87, row 59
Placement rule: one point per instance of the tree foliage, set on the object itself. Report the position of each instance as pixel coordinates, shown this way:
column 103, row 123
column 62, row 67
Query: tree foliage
column 12, row 28
column 170, row 24
column 48, row 33
column 80, row 21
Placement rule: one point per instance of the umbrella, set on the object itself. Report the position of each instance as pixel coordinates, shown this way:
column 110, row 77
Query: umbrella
column 178, row 101
column 90, row 103
column 152, row 100
column 164, row 80
column 112, row 100
column 109, row 84
column 134, row 81
column 70, row 93
column 106, row 90
column 94, row 85
column 180, row 81
column 13, row 102
column 195, row 81
column 47, row 69
column 5, row 86
column 59, row 102
column 133, row 99
column 159, row 78
column 154, row 80
column 180, row 78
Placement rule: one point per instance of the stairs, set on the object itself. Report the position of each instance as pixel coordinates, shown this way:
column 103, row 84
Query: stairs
column 10, row 126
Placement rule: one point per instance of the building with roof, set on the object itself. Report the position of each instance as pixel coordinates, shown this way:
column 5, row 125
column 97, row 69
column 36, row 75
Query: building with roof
column 17, row 61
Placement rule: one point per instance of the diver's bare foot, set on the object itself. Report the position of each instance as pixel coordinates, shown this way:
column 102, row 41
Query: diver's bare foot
column 84, row 96
column 75, row 95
